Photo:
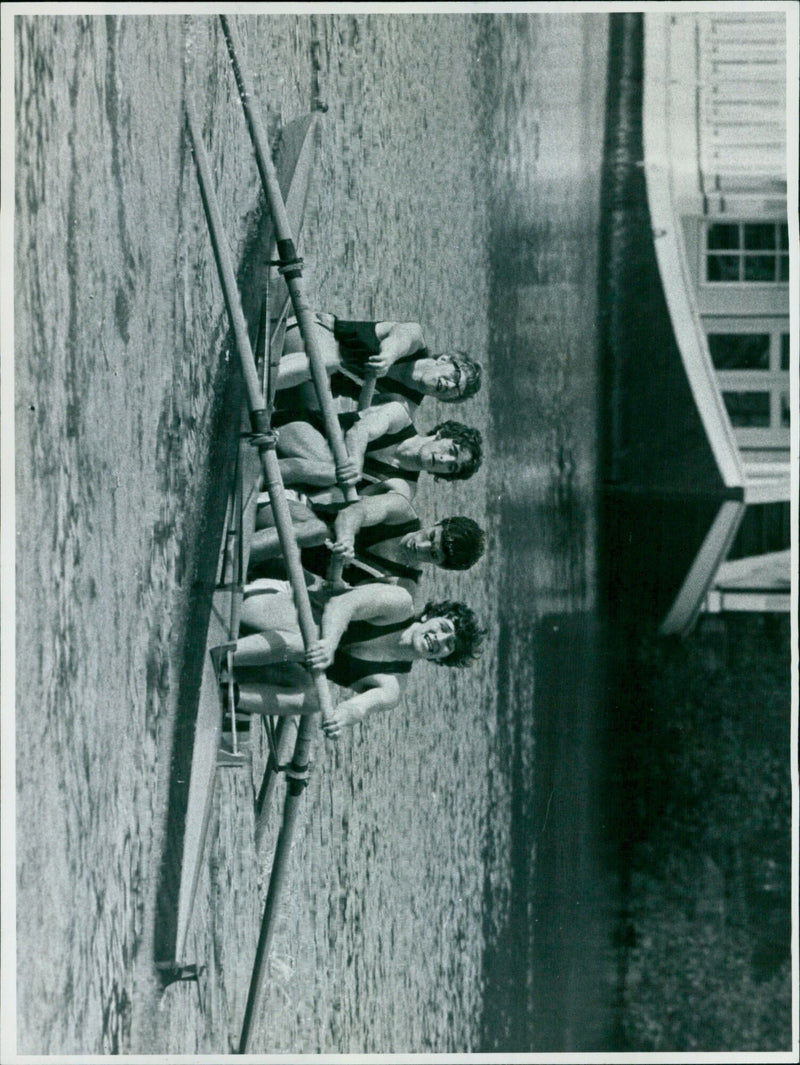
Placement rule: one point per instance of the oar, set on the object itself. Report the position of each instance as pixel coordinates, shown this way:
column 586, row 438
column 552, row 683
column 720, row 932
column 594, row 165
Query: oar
column 337, row 565
column 291, row 265
column 367, row 392
column 297, row 774
column 336, row 568
column 263, row 437
column 284, row 741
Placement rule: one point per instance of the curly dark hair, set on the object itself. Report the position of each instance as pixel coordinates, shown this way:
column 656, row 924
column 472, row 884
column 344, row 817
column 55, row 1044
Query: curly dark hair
column 463, row 542
column 468, row 440
column 469, row 372
column 469, row 634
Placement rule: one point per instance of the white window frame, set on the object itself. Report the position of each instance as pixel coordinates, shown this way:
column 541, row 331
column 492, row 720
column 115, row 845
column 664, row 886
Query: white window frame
column 741, row 252
column 773, row 381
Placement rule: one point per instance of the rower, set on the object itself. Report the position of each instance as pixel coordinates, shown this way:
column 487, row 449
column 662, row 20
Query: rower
column 382, row 443
column 380, row 536
column 394, row 353
column 370, row 638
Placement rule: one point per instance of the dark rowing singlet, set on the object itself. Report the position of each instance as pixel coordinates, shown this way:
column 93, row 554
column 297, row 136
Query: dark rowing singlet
column 317, row 559
column 313, row 418
column 379, row 469
column 371, row 537
column 346, row 669
column 357, row 342
column 376, row 466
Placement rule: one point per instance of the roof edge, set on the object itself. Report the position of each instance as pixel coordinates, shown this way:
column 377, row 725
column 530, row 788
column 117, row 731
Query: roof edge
column 671, row 252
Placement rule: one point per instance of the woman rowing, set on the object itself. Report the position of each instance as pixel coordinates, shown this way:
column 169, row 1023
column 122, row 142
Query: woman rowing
column 378, row 536
column 383, row 446
column 370, row 637
column 393, row 352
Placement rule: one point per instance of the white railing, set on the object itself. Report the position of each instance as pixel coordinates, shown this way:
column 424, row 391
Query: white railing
column 741, row 102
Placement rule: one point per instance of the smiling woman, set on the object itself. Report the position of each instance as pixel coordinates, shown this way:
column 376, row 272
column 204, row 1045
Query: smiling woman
column 370, row 638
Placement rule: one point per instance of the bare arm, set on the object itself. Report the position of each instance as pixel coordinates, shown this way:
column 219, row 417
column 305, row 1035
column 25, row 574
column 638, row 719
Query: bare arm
column 396, row 485
column 380, row 603
column 398, row 339
column 317, row 473
column 390, row 508
column 305, row 457
column 346, row 526
column 374, row 423
column 381, row 692
column 313, row 471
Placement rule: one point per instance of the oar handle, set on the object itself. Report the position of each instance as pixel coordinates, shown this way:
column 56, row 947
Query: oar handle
column 293, row 563
column 335, row 570
column 367, row 393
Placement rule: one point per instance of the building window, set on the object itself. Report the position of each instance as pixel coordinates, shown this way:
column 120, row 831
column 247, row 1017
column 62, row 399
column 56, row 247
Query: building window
column 749, row 252
column 739, row 351
column 748, row 410
column 751, row 359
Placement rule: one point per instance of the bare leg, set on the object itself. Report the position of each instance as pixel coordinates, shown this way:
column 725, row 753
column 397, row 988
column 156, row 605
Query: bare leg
column 304, row 456
column 268, row 609
column 266, row 543
column 281, row 690
column 294, row 367
column 268, row 647
column 303, row 440
column 273, row 700
column 309, row 531
column 297, row 471
column 292, row 342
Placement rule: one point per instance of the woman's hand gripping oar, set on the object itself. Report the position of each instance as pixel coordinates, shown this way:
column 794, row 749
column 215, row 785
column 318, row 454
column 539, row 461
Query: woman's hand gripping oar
column 342, row 552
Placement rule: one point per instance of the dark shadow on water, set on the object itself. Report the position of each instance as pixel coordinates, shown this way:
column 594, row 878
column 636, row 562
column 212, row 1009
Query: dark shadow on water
column 551, row 963
column 550, row 970
column 659, row 480
column 210, row 503
column 574, row 886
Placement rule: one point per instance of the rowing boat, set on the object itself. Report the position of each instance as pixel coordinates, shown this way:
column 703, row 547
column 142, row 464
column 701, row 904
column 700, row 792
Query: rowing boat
column 295, row 165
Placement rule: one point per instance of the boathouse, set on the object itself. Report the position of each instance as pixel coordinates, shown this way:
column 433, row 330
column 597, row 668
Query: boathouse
column 714, row 158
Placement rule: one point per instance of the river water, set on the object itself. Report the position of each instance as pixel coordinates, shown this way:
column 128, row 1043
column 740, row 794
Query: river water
column 457, row 185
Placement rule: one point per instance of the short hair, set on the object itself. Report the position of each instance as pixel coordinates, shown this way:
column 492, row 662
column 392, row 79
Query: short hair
column 469, row 372
column 463, row 542
column 469, row 634
column 466, row 438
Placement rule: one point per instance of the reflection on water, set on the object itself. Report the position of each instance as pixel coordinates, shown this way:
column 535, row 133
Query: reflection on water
column 560, row 905
column 548, row 976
